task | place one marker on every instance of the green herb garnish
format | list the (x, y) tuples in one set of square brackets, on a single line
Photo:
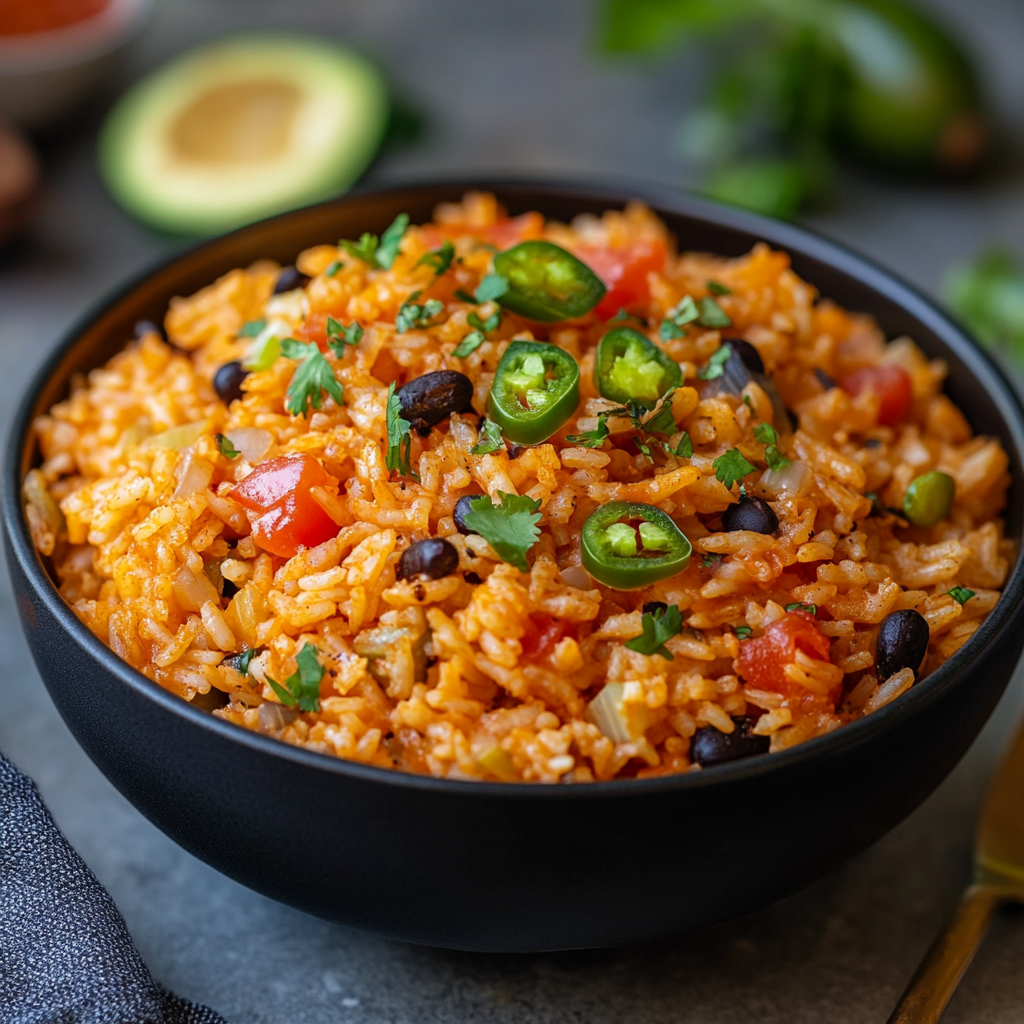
[(685, 446), (225, 447), (799, 606), (717, 288), (240, 662), (742, 632), (312, 377), (399, 437), (961, 594), (333, 268), (439, 259), (491, 440), (732, 466), (716, 364), (338, 335), (491, 286), (510, 528), (711, 559), (302, 687), (683, 313), (490, 324), (764, 433), (380, 252), (413, 314), (658, 627), (251, 328), (711, 314), (591, 438), (470, 343)]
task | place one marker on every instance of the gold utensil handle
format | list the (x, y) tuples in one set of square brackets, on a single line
[(940, 972)]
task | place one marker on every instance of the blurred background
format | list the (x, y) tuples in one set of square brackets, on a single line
[(895, 126)]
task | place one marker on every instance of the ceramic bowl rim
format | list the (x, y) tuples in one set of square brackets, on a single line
[(615, 192)]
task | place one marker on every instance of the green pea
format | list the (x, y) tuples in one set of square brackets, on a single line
[(929, 498)]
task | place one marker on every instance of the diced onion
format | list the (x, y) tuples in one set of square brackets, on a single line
[(619, 721), (196, 474), (192, 591), (499, 763), (252, 442), (792, 481), (576, 576), (180, 437)]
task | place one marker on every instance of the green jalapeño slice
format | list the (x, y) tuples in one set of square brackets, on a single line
[(631, 366), (546, 283), (536, 389), (627, 545)]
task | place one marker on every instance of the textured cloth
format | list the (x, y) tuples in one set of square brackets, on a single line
[(65, 953)]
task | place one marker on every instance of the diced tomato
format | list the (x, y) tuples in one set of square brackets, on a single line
[(891, 384), (541, 635), (315, 329), (624, 273), (282, 512), (513, 230), (763, 661)]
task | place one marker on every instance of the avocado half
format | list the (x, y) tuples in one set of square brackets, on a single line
[(243, 128)]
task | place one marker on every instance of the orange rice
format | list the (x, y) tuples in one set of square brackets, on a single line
[(490, 673)]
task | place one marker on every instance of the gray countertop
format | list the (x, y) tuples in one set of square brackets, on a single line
[(513, 86)]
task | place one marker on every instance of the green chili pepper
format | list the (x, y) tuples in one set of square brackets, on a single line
[(631, 366), (536, 389), (546, 283), (929, 498), (627, 545)]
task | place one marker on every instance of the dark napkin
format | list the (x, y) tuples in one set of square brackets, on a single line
[(65, 953)]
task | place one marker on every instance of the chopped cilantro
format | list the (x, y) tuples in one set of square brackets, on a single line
[(379, 252), (399, 437), (748, 403), (365, 249), (658, 627), (338, 335), (764, 433), (712, 314), (743, 632), (491, 286), (416, 314), (716, 364), (240, 662), (251, 328), (711, 559), (312, 377), (669, 331), (684, 312), (439, 259), (490, 324), (662, 421), (464, 296), (591, 438), (225, 447), (302, 687), (685, 446), (717, 288), (732, 466), (334, 268), (491, 440), (960, 594), (510, 528), (799, 606), (470, 343)]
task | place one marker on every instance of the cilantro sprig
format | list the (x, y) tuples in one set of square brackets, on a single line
[(241, 662), (399, 436), (716, 364), (302, 688), (490, 440), (765, 433), (731, 467), (961, 594), (491, 287), (379, 253), (313, 376), (438, 259), (591, 438), (683, 313), (470, 343), (412, 313), (225, 447), (339, 335), (658, 626), (801, 606), (510, 528), (711, 314)]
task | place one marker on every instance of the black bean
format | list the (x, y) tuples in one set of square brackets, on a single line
[(750, 514), (432, 558), (746, 353), (461, 510), (794, 420), (228, 589), (429, 399), (289, 279), (144, 327), (709, 746), (212, 700), (471, 577), (515, 450), (826, 380), (872, 442), (902, 642), (650, 607), (227, 381)]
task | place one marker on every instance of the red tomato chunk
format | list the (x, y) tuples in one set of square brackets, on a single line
[(763, 661), (281, 509), (624, 273), (542, 634), (890, 383)]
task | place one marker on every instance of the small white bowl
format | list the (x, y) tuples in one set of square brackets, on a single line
[(45, 74)]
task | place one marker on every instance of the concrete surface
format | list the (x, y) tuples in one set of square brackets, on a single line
[(512, 86)]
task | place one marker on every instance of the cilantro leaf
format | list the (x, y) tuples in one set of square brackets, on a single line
[(302, 687), (491, 440), (732, 466), (799, 606), (312, 377), (413, 314), (961, 594), (338, 335), (399, 438), (490, 324), (742, 632), (684, 312), (439, 259), (711, 559), (717, 288), (240, 662), (716, 364), (333, 268), (225, 447), (391, 241), (662, 421), (365, 249), (251, 328), (685, 446), (464, 296), (669, 331), (491, 286), (470, 343), (510, 528), (712, 314), (764, 433), (658, 627), (591, 438)]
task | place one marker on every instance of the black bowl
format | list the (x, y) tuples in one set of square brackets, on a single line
[(496, 866)]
